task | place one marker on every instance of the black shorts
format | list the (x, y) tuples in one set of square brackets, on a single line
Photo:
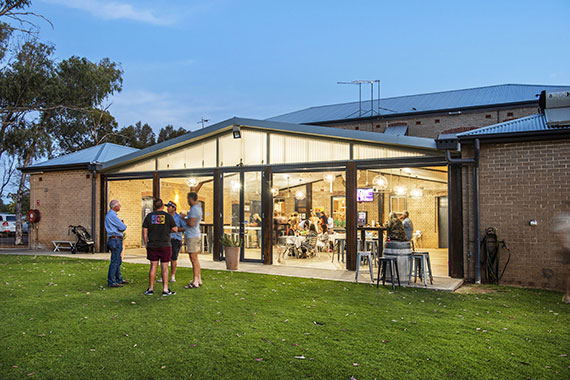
[(176, 245)]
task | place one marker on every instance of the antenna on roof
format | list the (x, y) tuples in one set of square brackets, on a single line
[(359, 83), (202, 121)]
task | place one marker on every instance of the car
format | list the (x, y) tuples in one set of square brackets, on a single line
[(7, 223)]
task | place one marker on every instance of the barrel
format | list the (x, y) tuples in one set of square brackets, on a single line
[(401, 251)]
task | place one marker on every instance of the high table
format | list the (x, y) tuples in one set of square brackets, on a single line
[(380, 231)]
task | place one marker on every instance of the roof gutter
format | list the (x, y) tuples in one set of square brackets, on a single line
[(476, 219)]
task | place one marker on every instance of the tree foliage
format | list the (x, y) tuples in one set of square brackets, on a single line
[(137, 136), (169, 132)]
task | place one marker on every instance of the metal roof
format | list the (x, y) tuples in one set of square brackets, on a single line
[(273, 126), (416, 104), (95, 154), (533, 123)]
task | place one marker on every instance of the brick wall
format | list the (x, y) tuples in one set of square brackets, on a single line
[(520, 182), (431, 126), (130, 193), (63, 198)]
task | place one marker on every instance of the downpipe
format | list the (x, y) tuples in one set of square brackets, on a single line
[(477, 238)]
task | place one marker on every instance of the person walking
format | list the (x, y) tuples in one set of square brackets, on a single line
[(115, 228), (192, 236), (157, 227), (175, 239)]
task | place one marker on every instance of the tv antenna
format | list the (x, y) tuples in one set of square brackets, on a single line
[(371, 83), (202, 121)]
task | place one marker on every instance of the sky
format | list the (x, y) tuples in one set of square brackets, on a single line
[(188, 60)]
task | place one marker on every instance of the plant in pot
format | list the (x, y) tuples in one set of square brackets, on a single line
[(231, 251)]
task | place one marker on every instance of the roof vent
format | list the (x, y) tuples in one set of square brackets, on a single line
[(556, 106)]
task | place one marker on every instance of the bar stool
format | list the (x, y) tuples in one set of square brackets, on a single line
[(372, 245), (420, 261), (382, 263), (203, 242), (359, 257)]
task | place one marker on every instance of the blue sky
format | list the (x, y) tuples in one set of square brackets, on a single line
[(184, 60)]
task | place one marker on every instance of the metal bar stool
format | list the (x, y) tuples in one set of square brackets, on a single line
[(382, 263), (420, 261), (359, 257)]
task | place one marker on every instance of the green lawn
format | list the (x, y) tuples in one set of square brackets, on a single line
[(59, 321)]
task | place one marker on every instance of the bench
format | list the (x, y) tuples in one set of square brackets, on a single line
[(62, 244)]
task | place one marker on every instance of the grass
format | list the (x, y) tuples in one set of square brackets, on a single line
[(59, 321)]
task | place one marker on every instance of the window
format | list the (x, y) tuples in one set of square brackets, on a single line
[(488, 116), (437, 121), (397, 203), (509, 114), (418, 122)]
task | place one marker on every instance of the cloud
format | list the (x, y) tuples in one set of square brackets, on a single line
[(115, 10), (160, 109)]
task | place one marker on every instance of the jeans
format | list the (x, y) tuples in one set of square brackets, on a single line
[(116, 247)]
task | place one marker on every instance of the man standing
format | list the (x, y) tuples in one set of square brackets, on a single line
[(192, 235), (175, 239), (408, 225), (115, 228), (157, 227)]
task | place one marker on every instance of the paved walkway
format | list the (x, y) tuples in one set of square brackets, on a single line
[(206, 262)]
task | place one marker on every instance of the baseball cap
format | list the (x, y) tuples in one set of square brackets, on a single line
[(171, 204)]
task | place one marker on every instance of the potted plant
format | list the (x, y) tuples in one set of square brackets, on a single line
[(231, 251)]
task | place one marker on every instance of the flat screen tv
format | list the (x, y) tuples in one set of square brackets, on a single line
[(365, 195)]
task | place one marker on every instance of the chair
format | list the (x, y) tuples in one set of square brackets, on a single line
[(339, 247), (420, 262), (382, 264), (310, 244), (361, 255)]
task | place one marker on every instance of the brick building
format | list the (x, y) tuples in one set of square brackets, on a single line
[(520, 174)]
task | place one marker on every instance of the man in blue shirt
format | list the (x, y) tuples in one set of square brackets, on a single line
[(115, 228), (175, 239)]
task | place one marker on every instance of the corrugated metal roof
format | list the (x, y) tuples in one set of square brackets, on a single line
[(317, 131), (533, 123), (417, 104), (98, 153), (396, 130)]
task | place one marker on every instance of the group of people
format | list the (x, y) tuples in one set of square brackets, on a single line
[(399, 228), (162, 236)]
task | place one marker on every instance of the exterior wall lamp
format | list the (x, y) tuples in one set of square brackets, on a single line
[(236, 132)]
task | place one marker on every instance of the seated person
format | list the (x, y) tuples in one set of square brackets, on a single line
[(310, 242), (305, 225), (395, 228)]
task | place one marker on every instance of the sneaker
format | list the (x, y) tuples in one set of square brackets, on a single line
[(159, 280), (148, 292), (116, 286), (172, 280), (168, 293)]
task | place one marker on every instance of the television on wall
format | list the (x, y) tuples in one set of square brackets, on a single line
[(365, 195)]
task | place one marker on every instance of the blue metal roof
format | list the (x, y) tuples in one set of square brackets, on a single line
[(419, 143), (533, 123), (98, 153), (417, 104)]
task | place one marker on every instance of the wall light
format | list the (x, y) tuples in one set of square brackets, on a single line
[(236, 132)]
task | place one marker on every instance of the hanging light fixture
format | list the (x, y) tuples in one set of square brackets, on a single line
[(274, 191), (416, 192), (400, 189), (300, 195), (379, 183), (236, 186), (329, 178), (192, 181)]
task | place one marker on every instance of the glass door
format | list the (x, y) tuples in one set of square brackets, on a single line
[(242, 212)]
